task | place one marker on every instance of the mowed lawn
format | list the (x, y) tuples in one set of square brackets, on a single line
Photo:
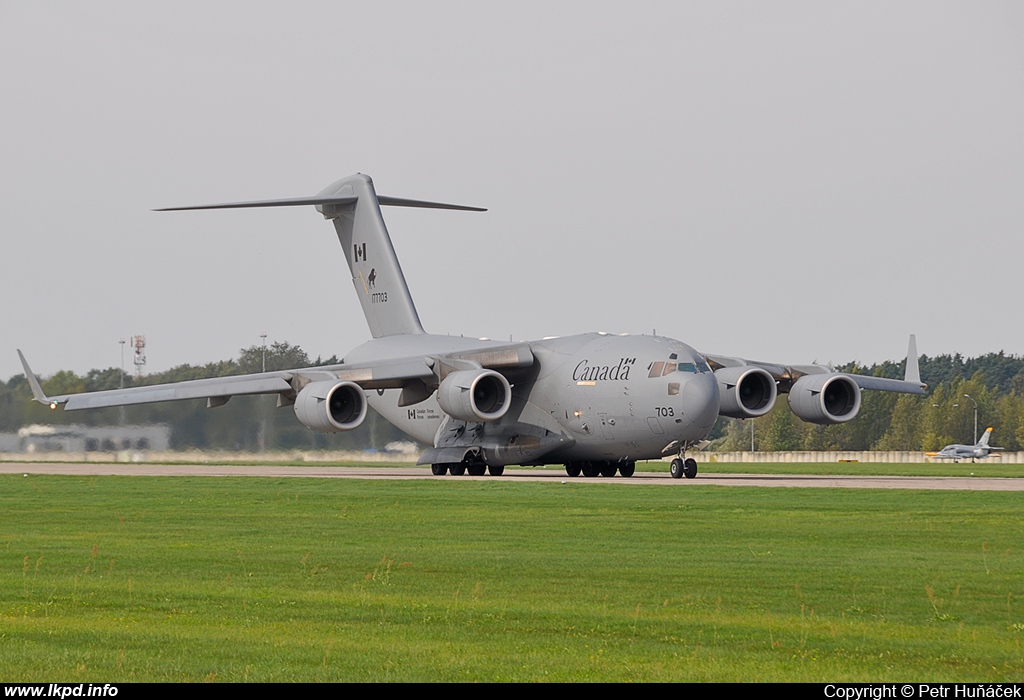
[(245, 579)]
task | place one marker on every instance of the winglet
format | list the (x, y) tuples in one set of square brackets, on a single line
[(33, 381), (913, 372)]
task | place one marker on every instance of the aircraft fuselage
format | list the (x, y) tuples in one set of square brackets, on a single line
[(611, 397)]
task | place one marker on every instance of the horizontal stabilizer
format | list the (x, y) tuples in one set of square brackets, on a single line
[(292, 202), (317, 201)]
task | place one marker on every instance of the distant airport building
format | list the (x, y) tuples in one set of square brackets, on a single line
[(86, 438)]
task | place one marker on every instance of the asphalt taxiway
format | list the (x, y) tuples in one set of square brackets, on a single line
[(550, 475)]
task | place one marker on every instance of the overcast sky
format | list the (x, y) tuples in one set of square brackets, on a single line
[(780, 181)]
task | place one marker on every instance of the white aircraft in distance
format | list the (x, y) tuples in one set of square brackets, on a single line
[(971, 452), (593, 402)]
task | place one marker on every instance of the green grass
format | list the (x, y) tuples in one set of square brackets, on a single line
[(231, 579), (988, 468)]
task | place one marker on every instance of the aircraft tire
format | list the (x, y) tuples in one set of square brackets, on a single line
[(676, 468), (690, 468), (627, 469), (438, 469), (589, 469), (477, 469), (496, 469), (607, 469), (572, 468), (457, 469)]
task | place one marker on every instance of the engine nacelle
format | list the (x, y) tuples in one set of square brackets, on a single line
[(475, 395), (331, 407), (825, 398), (746, 392)]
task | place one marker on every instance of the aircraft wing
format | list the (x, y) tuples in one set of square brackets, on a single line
[(786, 375), (417, 376)]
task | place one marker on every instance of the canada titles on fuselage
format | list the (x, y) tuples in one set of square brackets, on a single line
[(586, 372)]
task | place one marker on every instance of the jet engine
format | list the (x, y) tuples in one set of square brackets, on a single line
[(825, 398), (475, 395), (331, 407), (746, 392)]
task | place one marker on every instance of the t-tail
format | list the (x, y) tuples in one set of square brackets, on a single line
[(354, 206)]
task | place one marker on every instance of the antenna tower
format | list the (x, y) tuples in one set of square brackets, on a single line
[(139, 343)]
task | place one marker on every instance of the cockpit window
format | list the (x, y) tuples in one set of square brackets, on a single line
[(663, 369)]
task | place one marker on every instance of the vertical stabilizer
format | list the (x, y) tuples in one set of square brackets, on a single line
[(354, 207), (983, 442), (376, 274)]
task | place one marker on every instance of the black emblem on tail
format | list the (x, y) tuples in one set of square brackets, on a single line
[(371, 279)]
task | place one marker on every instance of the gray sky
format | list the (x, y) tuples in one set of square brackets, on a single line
[(781, 181)]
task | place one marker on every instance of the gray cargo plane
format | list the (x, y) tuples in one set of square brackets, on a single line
[(593, 402)]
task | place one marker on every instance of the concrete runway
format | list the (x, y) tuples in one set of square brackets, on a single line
[(945, 483)]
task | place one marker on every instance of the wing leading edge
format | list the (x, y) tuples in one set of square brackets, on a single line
[(416, 376), (786, 375)]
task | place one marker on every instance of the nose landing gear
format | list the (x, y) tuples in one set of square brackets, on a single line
[(683, 467)]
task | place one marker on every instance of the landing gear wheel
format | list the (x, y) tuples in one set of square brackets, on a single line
[(676, 468), (438, 469), (496, 469), (690, 468), (589, 469), (457, 469), (627, 468), (572, 468), (608, 469), (477, 469)]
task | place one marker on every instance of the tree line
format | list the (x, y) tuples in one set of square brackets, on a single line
[(250, 423), (886, 421)]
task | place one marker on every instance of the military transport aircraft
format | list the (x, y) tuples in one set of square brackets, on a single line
[(971, 452), (594, 402)]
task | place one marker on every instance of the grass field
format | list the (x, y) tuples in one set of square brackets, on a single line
[(148, 578), (987, 468)]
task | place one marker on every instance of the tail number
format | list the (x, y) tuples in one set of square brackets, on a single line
[(664, 411), (379, 298)]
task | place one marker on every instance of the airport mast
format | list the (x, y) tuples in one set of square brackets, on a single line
[(139, 343)]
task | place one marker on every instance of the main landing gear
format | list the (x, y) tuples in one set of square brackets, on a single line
[(474, 468), (605, 469), (683, 467)]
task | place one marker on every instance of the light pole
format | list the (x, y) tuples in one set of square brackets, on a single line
[(122, 362), (120, 412), (967, 396), (261, 435)]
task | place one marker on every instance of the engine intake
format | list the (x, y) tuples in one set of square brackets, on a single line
[(746, 392), (825, 399), (331, 407), (475, 395)]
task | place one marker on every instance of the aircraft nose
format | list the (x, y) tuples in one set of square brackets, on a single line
[(701, 401)]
